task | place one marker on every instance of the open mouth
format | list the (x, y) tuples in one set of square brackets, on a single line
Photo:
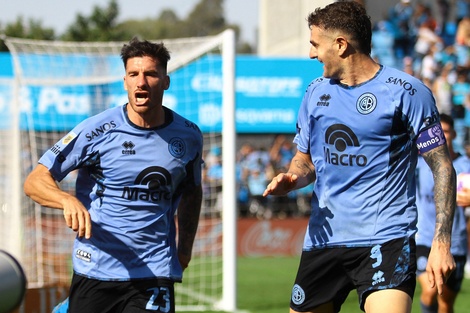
[(141, 97)]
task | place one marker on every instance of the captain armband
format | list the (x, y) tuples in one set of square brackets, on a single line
[(430, 138)]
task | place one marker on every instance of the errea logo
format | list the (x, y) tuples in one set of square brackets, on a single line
[(378, 278), (128, 147), (341, 137), (324, 100)]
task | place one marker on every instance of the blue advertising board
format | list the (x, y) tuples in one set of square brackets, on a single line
[(268, 92)]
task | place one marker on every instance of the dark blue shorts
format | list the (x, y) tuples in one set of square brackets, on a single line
[(328, 275), (137, 296)]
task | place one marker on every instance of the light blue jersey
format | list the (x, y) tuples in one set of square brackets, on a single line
[(427, 208), (131, 180), (363, 141)]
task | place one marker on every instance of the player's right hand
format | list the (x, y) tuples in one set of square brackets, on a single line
[(281, 184), (77, 217)]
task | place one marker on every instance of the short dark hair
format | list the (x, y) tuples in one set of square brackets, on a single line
[(347, 16), (445, 118), (137, 48)]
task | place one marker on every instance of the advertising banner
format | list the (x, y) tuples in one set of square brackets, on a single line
[(268, 93), (283, 237)]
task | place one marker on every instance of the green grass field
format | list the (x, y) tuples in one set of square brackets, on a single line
[(264, 286)]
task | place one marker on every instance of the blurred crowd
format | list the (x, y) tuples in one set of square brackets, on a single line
[(435, 47), (431, 45), (255, 167)]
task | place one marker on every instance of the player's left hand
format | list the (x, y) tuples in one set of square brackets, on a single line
[(184, 260), (440, 265)]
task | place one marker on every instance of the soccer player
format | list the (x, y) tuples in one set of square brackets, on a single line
[(137, 164), (430, 302), (359, 129)]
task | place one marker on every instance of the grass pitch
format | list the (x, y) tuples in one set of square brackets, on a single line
[(264, 286)]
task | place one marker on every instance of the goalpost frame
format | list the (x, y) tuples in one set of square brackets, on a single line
[(229, 220)]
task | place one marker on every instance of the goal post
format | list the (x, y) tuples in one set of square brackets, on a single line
[(229, 220), (58, 84)]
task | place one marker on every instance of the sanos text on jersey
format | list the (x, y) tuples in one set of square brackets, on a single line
[(191, 125), (406, 85), (100, 130)]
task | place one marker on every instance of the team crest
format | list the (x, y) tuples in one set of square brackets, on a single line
[(177, 147), (298, 295), (366, 103)]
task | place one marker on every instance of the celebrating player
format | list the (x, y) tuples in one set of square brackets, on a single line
[(359, 130), (137, 165)]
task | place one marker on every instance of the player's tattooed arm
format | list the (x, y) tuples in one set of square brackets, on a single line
[(440, 260), (301, 173), (188, 219), (444, 191), (302, 166)]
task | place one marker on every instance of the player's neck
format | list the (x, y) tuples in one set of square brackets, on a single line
[(359, 70), (148, 119)]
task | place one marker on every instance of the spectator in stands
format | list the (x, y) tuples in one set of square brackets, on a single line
[(429, 66), (213, 181), (460, 89), (463, 200), (426, 41), (462, 42), (259, 156), (442, 90), (447, 57), (462, 10), (422, 14), (281, 152), (466, 134), (256, 180), (401, 16), (382, 43), (242, 173), (444, 10), (408, 66)]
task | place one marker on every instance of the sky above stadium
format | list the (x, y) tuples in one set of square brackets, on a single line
[(59, 14)]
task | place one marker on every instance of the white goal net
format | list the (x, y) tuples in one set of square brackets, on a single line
[(58, 84)]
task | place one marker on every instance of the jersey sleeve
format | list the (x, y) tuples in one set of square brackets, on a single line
[(423, 117), (67, 154), (302, 136)]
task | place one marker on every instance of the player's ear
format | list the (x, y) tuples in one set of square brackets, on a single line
[(342, 44), (167, 82), (124, 81)]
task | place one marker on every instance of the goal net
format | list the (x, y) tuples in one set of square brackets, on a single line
[(58, 84)]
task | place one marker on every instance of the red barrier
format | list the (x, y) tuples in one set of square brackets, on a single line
[(270, 237)]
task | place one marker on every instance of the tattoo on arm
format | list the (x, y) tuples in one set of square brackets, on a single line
[(302, 166), (444, 191)]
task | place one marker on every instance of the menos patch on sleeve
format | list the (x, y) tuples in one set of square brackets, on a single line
[(430, 138)]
